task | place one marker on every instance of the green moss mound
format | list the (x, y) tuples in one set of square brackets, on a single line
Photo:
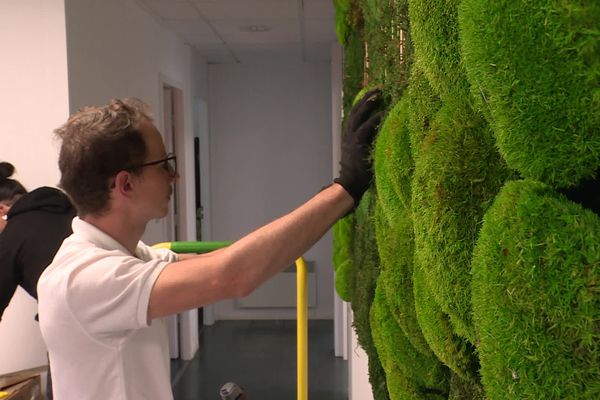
[(457, 174), (536, 298), (434, 29), (454, 352), (365, 274), (423, 377), (393, 222), (395, 246), (457, 168), (393, 163), (342, 256), (537, 65), (423, 104), (342, 8)]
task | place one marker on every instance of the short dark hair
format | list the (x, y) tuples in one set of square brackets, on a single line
[(97, 143), (10, 189)]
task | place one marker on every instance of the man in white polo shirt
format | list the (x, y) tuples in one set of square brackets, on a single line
[(102, 299)]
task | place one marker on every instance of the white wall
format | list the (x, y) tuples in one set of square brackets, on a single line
[(270, 150), (33, 83), (359, 387)]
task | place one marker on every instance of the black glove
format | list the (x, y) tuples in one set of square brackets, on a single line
[(363, 123)]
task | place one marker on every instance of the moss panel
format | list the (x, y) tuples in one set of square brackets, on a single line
[(434, 30), (393, 221), (354, 61), (366, 272), (343, 232), (393, 163), (454, 352), (424, 376), (457, 173), (396, 249), (537, 64), (423, 104), (387, 37), (461, 389), (536, 296)]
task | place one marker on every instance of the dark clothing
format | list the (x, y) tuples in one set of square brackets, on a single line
[(37, 225)]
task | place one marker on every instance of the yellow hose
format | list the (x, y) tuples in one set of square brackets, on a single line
[(302, 326)]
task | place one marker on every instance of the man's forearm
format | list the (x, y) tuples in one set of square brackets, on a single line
[(238, 269), (264, 252)]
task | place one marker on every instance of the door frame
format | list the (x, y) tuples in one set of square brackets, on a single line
[(184, 326)]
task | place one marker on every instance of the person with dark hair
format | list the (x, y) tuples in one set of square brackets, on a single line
[(10, 191), (36, 224), (103, 298)]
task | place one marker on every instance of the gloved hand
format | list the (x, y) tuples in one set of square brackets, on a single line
[(363, 123)]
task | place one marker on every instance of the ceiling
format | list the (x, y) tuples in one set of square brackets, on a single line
[(230, 31)]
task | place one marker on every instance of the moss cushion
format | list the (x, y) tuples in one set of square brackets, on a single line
[(365, 274), (423, 377), (536, 296), (453, 351), (537, 64)]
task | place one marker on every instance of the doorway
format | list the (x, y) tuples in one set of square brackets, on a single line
[(172, 117), (172, 128)]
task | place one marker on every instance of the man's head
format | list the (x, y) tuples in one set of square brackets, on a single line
[(97, 144)]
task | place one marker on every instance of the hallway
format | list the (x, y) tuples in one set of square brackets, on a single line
[(260, 356)]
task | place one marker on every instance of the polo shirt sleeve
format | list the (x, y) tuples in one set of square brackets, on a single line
[(146, 252), (111, 292)]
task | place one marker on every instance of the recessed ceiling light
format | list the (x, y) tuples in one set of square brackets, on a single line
[(255, 28)]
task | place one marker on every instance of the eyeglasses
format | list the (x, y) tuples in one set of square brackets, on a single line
[(169, 164)]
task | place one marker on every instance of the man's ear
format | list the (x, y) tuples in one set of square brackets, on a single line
[(124, 183)]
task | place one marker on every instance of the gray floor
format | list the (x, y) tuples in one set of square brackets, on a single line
[(260, 356)]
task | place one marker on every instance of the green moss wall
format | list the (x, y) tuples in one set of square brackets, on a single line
[(471, 272)]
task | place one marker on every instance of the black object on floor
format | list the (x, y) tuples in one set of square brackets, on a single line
[(232, 391), (260, 356)]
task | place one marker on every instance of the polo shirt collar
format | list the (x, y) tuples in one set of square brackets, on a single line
[(94, 235)]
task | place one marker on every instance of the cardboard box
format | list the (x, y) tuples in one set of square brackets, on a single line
[(22, 385), (31, 389)]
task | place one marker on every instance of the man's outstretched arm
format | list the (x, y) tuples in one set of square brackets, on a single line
[(237, 270)]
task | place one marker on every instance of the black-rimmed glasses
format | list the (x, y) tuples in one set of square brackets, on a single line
[(169, 164)]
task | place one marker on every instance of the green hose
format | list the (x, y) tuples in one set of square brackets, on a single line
[(191, 247)]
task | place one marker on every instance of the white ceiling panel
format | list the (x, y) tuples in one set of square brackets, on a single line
[(268, 52), (248, 9), (215, 27), (171, 9), (193, 31), (281, 31)]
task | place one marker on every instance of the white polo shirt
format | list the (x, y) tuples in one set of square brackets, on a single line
[(93, 305)]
